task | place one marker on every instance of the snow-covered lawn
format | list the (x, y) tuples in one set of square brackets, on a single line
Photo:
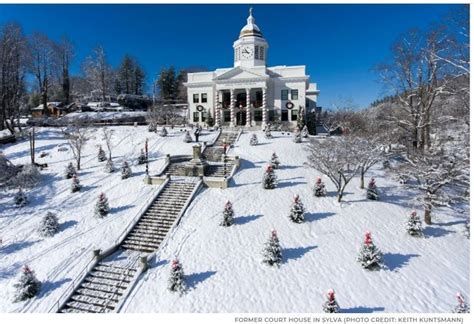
[(223, 265)]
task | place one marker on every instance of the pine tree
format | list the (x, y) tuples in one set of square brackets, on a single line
[(297, 138), (70, 171), (331, 305), (101, 156), (305, 132), (462, 306), (253, 139), (228, 215), (75, 185), (28, 286), (49, 225), (142, 157), (268, 133), (20, 198), (414, 225), (163, 132), (109, 166), (102, 206), (126, 170), (274, 161), (297, 210), (152, 127), (272, 251), (370, 256), (176, 281), (372, 190), (319, 188), (187, 137), (270, 179)]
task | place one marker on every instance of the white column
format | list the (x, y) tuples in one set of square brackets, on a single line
[(248, 113), (264, 108), (232, 108), (218, 109)]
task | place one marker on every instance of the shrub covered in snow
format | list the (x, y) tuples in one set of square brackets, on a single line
[(176, 281), (142, 157), (414, 225), (109, 166), (7, 169), (331, 305), (272, 251), (126, 170), (27, 286), (274, 161), (372, 192), (102, 206), (467, 228), (268, 133), (101, 155), (370, 256), (319, 189), (253, 139), (227, 215), (20, 198), (49, 225), (270, 179), (70, 171), (163, 132), (297, 138), (76, 184), (297, 210), (304, 132), (187, 137), (462, 306), (152, 127), (29, 177)]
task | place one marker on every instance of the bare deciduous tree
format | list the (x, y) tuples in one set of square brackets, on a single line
[(77, 134), (107, 137), (99, 73)]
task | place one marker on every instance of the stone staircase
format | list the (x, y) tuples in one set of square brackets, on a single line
[(214, 153), (218, 170), (152, 227)]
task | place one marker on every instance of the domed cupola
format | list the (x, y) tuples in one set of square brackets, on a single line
[(250, 50)]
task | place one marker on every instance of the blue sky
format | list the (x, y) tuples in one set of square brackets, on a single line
[(339, 44)]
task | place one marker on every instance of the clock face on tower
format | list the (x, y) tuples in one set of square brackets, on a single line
[(247, 52)]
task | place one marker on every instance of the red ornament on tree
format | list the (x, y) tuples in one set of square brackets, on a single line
[(318, 180), (368, 238)]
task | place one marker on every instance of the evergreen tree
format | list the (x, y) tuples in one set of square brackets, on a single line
[(28, 286), (414, 225), (109, 166), (49, 225), (176, 281), (75, 185), (297, 210), (268, 133), (142, 157), (20, 198), (305, 132), (370, 256), (462, 306), (126, 170), (270, 179), (70, 171), (297, 138), (101, 156), (102, 206), (228, 215), (163, 132), (253, 139), (331, 305), (168, 83), (319, 188), (274, 161), (272, 251), (187, 137), (152, 127), (372, 190)]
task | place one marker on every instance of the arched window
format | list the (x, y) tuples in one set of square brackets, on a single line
[(262, 56)]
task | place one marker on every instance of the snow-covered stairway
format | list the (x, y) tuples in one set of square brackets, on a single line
[(214, 153), (152, 227)]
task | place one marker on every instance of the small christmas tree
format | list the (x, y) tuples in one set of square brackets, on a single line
[(228, 215), (152, 127), (370, 256), (176, 281), (270, 179), (268, 133), (187, 137), (297, 138), (20, 198), (319, 189), (49, 225), (274, 161), (126, 170), (331, 305), (272, 250), (304, 132), (109, 166), (414, 225), (462, 306), (101, 155), (372, 190), (102, 206), (253, 139), (142, 157), (163, 132), (27, 286), (75, 185), (70, 171), (297, 210)]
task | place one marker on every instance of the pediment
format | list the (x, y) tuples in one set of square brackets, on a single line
[(239, 73)]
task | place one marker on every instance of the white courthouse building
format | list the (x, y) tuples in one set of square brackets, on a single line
[(251, 93)]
